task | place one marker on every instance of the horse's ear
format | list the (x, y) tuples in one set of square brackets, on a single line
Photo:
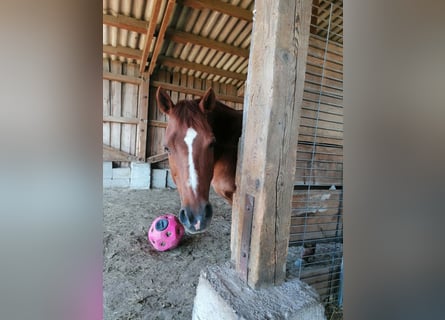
[(208, 102), (164, 101)]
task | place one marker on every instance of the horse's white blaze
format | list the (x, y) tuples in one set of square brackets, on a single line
[(193, 176)]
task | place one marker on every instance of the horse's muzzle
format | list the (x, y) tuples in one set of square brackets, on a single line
[(196, 222)]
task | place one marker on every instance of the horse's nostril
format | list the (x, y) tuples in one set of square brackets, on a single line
[(186, 216), (182, 216), (208, 211)]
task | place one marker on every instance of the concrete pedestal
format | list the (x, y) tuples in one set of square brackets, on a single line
[(222, 295)]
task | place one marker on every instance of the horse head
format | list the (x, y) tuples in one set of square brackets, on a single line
[(190, 142)]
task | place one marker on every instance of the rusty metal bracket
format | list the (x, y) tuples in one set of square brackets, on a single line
[(246, 236)]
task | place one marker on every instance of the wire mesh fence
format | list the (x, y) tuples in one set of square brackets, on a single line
[(316, 235)]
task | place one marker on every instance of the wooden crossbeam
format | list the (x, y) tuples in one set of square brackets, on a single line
[(157, 123), (121, 78), (217, 5), (185, 37), (120, 119), (157, 158), (112, 154), (123, 52), (125, 22), (172, 62)]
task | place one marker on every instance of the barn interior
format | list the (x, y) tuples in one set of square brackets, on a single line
[(188, 46)]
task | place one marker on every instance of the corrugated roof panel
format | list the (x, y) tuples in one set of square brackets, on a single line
[(237, 30), (126, 7), (138, 9), (200, 21), (204, 23), (114, 6)]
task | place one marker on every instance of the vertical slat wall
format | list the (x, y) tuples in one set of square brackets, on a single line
[(317, 217), (184, 87), (120, 107)]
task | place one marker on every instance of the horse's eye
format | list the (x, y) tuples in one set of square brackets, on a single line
[(166, 149), (212, 144)]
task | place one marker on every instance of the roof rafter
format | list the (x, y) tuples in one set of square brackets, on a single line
[(122, 51), (149, 34), (160, 38), (124, 22), (172, 62), (185, 37)]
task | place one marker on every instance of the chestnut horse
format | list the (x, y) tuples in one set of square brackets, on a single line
[(202, 144)]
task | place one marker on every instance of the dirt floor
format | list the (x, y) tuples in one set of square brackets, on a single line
[(141, 283), (138, 281)]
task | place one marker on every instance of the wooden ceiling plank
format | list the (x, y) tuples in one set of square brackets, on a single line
[(122, 51), (149, 34), (125, 22), (217, 5), (184, 38), (160, 38), (172, 62)]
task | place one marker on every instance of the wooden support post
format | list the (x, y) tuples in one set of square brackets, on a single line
[(268, 156), (143, 117)]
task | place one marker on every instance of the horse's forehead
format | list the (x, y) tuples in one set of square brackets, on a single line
[(179, 128)]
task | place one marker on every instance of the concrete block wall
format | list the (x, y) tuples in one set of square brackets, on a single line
[(138, 176)]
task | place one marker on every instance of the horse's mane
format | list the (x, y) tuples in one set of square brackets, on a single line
[(188, 112)]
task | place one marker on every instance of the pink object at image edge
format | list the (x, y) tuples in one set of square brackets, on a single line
[(165, 232)]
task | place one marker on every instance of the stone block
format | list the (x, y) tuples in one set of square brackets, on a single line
[(120, 183), (140, 170), (221, 292), (140, 184), (158, 178), (170, 182), (121, 173), (107, 170)]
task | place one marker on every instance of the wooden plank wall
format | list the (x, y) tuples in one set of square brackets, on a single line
[(180, 86), (120, 109), (317, 211)]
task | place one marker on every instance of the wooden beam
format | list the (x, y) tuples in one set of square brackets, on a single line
[(172, 62), (123, 52), (149, 34), (220, 6), (185, 37), (160, 38), (141, 144), (120, 119), (196, 92), (112, 154), (157, 123), (158, 158), (125, 22), (267, 158), (121, 78)]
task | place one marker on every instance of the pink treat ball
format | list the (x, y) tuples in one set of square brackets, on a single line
[(165, 232)]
